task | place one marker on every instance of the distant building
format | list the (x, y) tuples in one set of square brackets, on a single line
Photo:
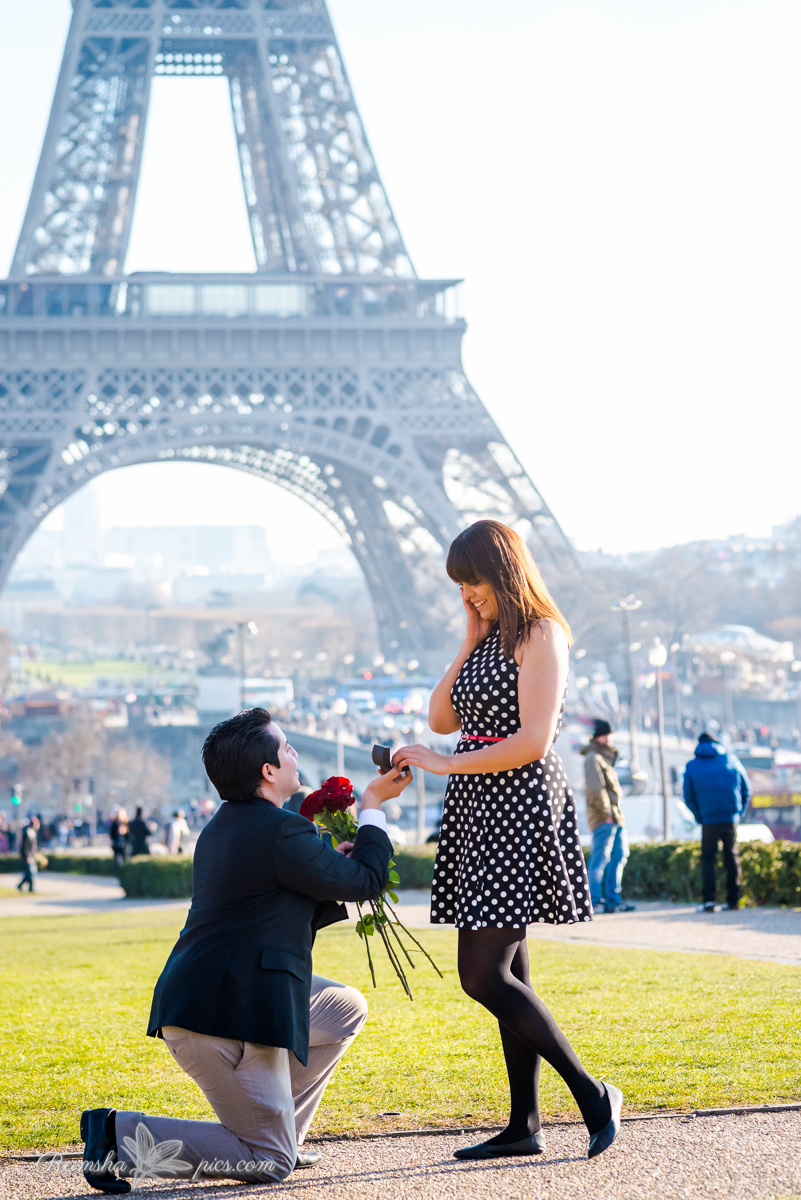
[(189, 549), (81, 536)]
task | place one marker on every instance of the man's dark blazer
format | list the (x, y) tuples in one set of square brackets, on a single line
[(264, 883)]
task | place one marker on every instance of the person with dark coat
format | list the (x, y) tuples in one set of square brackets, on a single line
[(28, 849), (717, 791), (237, 1003), (138, 833)]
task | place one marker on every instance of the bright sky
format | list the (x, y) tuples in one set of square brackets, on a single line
[(620, 185)]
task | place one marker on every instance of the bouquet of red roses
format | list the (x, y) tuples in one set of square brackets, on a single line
[(330, 807)]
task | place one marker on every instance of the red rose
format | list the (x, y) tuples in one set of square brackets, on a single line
[(337, 793), (313, 804), (337, 784)]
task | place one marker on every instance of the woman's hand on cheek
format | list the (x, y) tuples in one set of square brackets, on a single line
[(472, 631), (477, 627)]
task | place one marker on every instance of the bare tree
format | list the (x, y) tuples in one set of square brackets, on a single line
[(125, 773)]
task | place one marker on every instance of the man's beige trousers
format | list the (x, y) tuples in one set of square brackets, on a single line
[(263, 1097)]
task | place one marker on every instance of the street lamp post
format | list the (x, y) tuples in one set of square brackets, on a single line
[(674, 649), (339, 708), (797, 667), (726, 658), (151, 665), (626, 606), (244, 629), (657, 657)]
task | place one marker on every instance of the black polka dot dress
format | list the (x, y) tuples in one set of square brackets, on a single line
[(509, 852)]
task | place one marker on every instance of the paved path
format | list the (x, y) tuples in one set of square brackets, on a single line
[(61, 895), (755, 1157), (769, 934)]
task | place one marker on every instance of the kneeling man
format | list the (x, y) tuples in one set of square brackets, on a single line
[(237, 1003)]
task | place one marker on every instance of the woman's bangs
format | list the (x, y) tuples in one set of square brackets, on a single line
[(460, 566)]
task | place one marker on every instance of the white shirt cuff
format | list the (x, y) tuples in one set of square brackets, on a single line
[(373, 816)]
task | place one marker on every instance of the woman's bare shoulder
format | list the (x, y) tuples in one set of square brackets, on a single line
[(546, 640), (550, 627)]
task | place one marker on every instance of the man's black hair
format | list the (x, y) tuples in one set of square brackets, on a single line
[(235, 752)]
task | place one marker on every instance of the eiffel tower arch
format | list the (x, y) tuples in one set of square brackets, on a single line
[(333, 371)]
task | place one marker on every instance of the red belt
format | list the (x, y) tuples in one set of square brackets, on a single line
[(475, 737)]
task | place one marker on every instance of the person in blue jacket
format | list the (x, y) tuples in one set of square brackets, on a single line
[(716, 791)]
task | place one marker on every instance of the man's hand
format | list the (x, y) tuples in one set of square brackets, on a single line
[(345, 848), (385, 787)]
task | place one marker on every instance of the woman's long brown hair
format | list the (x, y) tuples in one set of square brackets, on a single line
[(490, 552)]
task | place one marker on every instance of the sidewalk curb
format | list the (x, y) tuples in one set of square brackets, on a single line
[(689, 1114), (743, 1110)]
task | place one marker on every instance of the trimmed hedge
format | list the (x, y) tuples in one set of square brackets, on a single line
[(82, 864), (166, 877), (655, 871), (415, 865), (73, 864), (170, 877), (672, 871), (11, 864)]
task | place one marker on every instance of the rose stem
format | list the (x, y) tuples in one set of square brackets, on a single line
[(392, 957), (414, 939), (409, 959), (365, 935)]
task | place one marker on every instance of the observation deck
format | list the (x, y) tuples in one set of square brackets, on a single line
[(160, 317)]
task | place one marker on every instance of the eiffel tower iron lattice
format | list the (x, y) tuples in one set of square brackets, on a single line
[(333, 370)]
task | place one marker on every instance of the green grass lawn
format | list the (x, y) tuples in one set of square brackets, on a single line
[(670, 1029)]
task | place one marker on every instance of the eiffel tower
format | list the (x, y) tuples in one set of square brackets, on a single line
[(333, 370)]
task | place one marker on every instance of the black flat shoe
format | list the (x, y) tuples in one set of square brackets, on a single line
[(307, 1158), (100, 1153), (535, 1144), (603, 1139)]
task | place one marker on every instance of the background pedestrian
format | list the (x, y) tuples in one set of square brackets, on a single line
[(610, 846), (138, 834), (28, 848), (177, 833), (717, 791), (118, 835)]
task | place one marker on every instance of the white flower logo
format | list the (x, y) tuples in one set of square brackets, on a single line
[(152, 1159)]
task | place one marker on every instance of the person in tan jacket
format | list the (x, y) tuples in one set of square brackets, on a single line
[(610, 847)]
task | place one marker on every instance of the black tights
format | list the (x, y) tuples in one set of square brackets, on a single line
[(493, 969)]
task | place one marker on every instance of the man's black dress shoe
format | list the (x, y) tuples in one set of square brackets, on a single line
[(100, 1152), (307, 1158), (603, 1139), (535, 1144)]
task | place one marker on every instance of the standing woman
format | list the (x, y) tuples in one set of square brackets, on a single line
[(509, 853), (118, 836)]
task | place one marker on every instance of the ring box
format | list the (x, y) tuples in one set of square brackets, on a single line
[(382, 757)]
